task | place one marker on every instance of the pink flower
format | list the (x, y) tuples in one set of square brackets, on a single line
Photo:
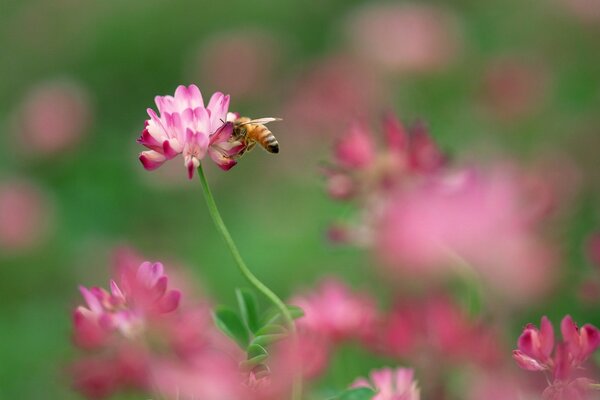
[(26, 215), (454, 219), (391, 384), (362, 170), (577, 389), (185, 126), (537, 350), (406, 37), (213, 377), (100, 377), (53, 118), (435, 327), (335, 312), (125, 308)]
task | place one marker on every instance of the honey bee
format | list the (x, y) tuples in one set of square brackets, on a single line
[(252, 131)]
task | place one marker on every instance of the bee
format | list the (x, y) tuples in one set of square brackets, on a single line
[(252, 131)]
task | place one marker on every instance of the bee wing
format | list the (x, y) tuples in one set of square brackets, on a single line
[(262, 121)]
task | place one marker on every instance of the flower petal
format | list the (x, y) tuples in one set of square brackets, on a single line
[(527, 362), (151, 159)]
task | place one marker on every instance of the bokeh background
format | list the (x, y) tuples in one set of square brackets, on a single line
[(500, 78)]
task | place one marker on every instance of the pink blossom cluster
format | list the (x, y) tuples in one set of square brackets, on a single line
[(425, 218), (360, 170), (184, 125), (333, 313), (435, 327), (138, 336), (537, 351)]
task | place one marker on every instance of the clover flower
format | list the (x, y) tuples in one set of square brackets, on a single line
[(126, 307), (335, 312), (361, 170), (186, 126), (537, 352)]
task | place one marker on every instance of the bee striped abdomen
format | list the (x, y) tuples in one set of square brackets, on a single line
[(267, 139)]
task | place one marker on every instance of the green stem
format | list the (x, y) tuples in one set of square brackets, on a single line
[(254, 281)]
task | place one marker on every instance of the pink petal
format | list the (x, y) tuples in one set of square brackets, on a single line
[(527, 362), (196, 99), (396, 135), (191, 167), (528, 343), (159, 289), (424, 155), (170, 301), (91, 300), (590, 340), (383, 380), (151, 159), (202, 120), (355, 149), (570, 335), (562, 362), (146, 139), (116, 291), (218, 106), (182, 98), (223, 134), (168, 151), (223, 161), (547, 337)]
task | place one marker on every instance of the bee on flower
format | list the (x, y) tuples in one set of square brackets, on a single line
[(185, 125)]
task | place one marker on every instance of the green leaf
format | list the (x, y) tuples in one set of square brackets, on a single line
[(253, 362), (271, 330), (255, 350), (231, 324), (362, 393), (265, 340), (249, 308)]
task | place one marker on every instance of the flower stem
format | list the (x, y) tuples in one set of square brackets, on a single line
[(254, 281)]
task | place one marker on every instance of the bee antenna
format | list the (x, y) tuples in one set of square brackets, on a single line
[(222, 120)]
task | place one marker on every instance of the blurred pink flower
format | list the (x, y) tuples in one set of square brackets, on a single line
[(361, 170), (328, 93), (100, 377), (435, 328), (167, 345), (537, 350), (577, 389), (25, 215), (455, 219), (211, 377), (391, 384), (241, 62), (126, 308), (496, 384), (185, 126), (513, 88), (405, 37), (335, 312), (53, 117)]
